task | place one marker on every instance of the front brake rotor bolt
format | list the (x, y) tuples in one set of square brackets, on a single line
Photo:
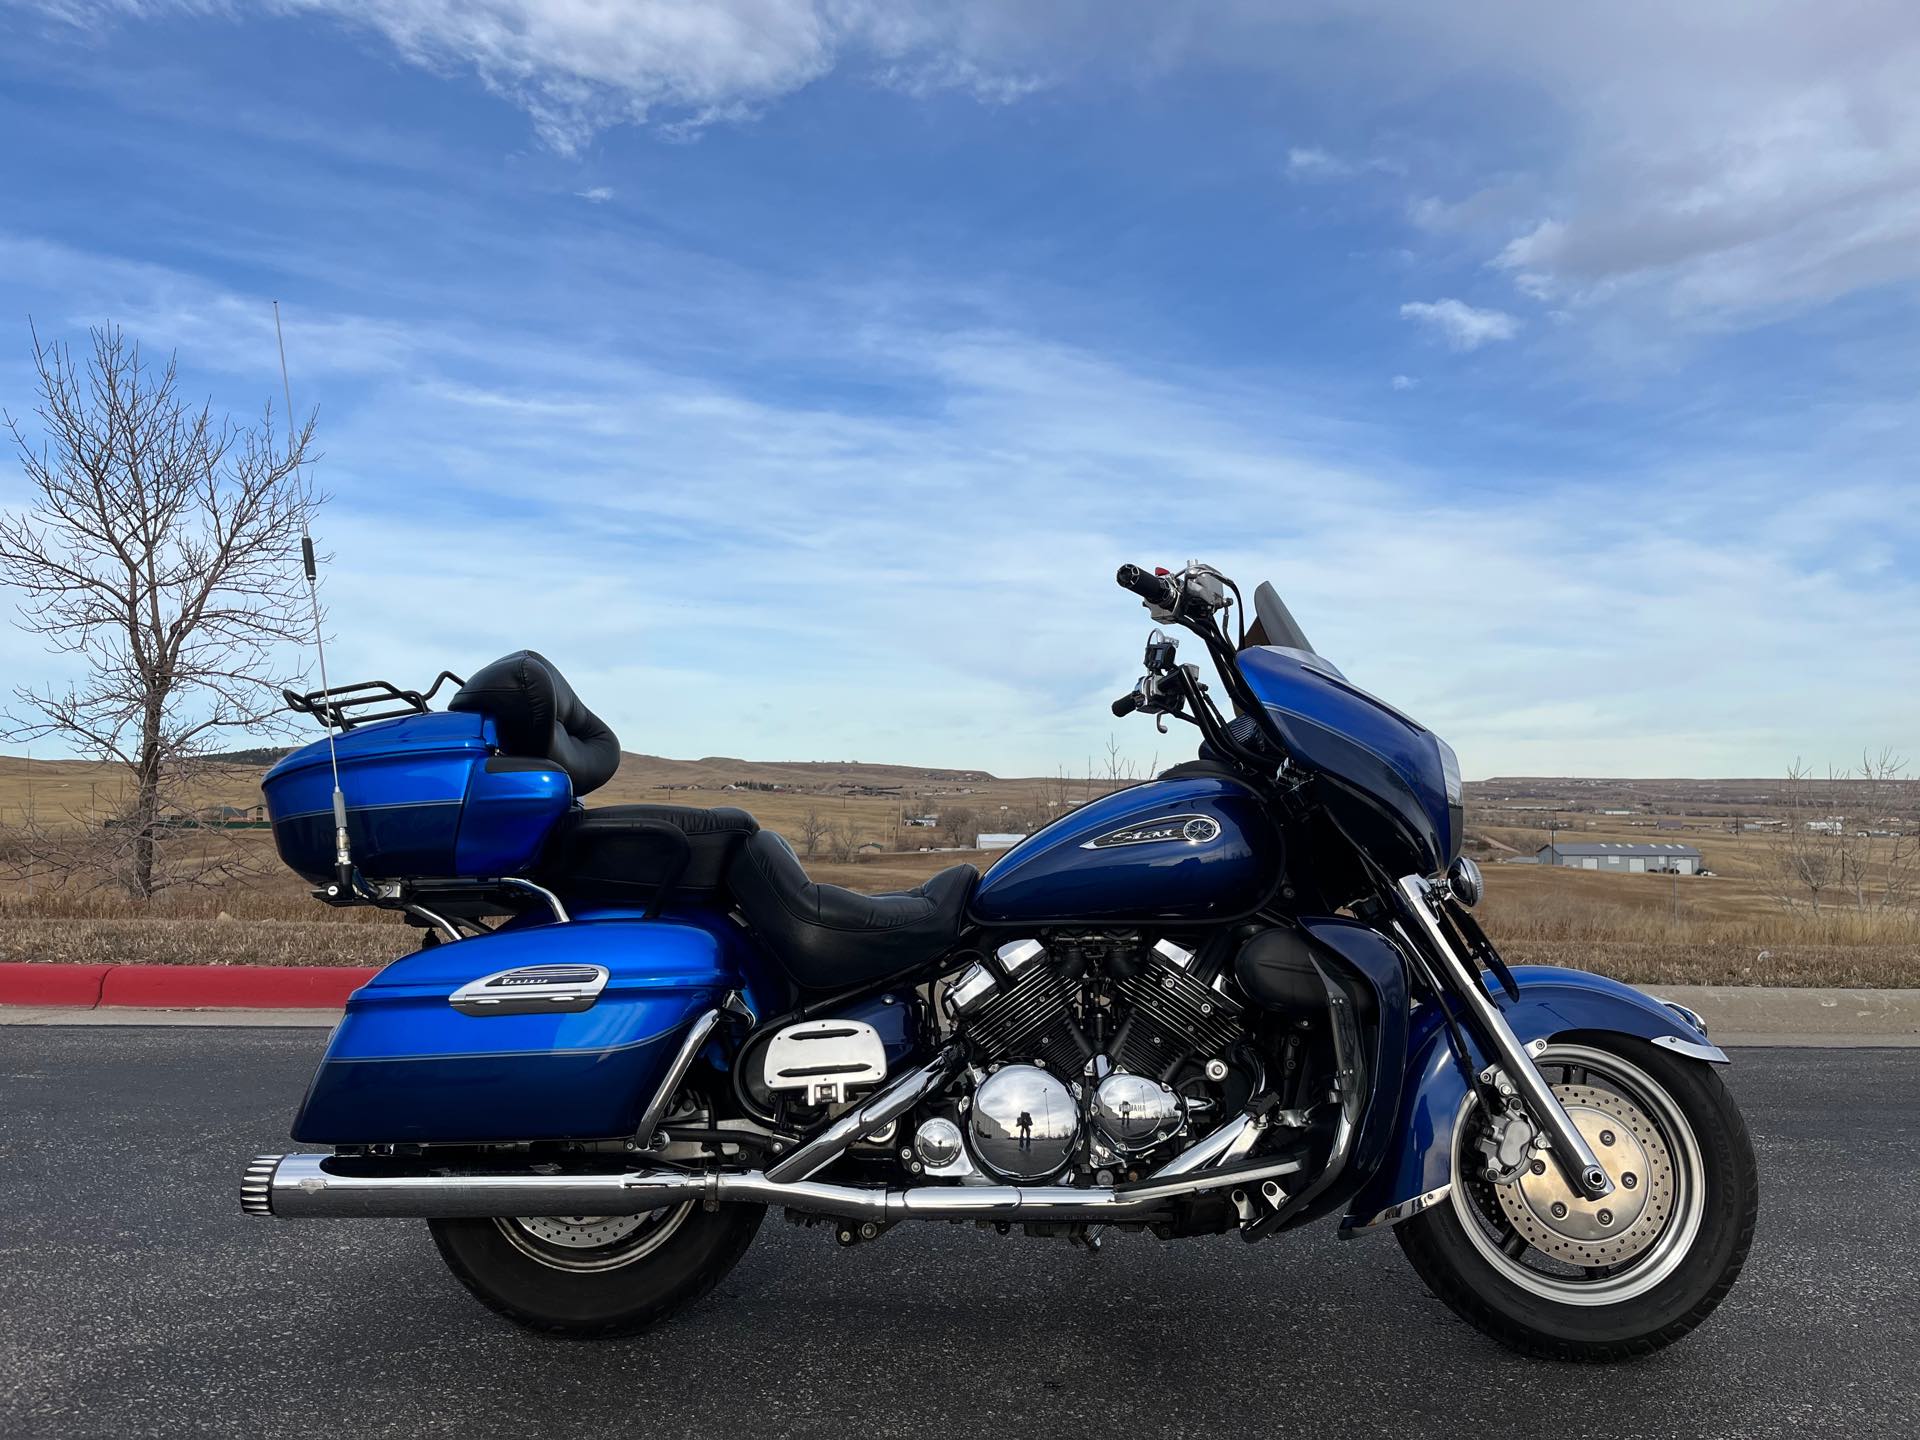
[(1629, 1179), (1606, 1137), (1605, 1217), (1559, 1211), (1539, 1167)]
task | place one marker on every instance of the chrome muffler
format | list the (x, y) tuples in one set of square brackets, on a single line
[(322, 1187)]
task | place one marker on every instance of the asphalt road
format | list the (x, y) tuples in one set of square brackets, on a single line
[(135, 1299)]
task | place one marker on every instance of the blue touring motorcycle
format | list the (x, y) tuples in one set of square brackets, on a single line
[(1243, 996)]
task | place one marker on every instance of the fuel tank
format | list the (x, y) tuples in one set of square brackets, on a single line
[(1192, 848)]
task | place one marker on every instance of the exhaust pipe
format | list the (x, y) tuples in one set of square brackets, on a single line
[(316, 1186)]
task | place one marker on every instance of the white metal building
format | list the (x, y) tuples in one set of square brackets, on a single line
[(1631, 859)]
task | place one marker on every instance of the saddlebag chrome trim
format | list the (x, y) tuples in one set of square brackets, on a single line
[(532, 990)]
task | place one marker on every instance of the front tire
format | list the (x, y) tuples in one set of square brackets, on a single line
[(1554, 1276), (595, 1277)]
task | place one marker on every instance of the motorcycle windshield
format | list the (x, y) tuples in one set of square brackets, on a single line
[(1336, 728)]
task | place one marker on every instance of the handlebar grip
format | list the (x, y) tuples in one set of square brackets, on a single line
[(1126, 705), (1155, 589)]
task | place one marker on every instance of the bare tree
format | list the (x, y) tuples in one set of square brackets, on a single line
[(1880, 856), (1851, 837), (812, 831), (959, 824), (1803, 858), (841, 842), (160, 548)]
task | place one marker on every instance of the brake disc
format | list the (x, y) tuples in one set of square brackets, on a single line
[(1558, 1222), (581, 1232)]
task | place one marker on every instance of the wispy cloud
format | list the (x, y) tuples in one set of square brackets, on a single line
[(1309, 162), (610, 465), (597, 195), (1460, 325), (781, 366), (956, 73), (578, 68)]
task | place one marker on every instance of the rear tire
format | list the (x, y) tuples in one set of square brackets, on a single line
[(1478, 1254), (572, 1286)]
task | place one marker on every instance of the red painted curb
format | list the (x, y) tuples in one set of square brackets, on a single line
[(184, 987), (22, 984)]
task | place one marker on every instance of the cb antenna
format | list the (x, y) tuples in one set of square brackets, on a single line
[(342, 853)]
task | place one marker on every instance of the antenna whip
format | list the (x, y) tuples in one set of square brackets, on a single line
[(342, 853)]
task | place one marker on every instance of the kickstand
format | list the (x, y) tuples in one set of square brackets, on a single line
[(1088, 1238)]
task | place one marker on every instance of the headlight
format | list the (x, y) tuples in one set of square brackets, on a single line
[(1464, 882)]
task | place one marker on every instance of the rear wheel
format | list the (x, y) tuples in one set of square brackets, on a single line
[(597, 1276), (1548, 1272), (594, 1276)]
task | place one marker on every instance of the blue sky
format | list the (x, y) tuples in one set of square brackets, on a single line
[(796, 374)]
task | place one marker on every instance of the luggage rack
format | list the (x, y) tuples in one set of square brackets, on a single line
[(344, 706), (443, 906)]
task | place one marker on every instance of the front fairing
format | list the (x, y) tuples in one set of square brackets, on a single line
[(1336, 729)]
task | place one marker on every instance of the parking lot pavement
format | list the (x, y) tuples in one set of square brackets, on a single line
[(135, 1299)]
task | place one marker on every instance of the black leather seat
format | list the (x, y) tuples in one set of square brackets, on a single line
[(625, 854), (830, 938)]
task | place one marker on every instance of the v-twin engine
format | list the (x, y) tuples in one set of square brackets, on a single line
[(1095, 1045)]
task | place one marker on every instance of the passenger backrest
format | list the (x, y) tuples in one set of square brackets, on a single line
[(536, 714)]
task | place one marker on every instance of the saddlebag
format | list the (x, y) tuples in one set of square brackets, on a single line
[(553, 1032)]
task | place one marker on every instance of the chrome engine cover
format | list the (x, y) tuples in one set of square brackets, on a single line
[(1133, 1113), (1024, 1123)]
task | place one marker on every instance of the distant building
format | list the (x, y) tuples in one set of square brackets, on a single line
[(997, 842), (1627, 859)]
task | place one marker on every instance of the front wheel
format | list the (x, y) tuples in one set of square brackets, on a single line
[(1550, 1273)]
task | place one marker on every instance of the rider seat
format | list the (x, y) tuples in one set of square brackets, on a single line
[(829, 938)]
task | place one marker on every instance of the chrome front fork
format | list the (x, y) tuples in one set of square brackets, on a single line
[(1569, 1147)]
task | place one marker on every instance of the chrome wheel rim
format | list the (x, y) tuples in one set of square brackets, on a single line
[(587, 1243), (1538, 1234)]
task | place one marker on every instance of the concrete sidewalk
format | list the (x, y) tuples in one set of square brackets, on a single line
[(1784, 1015), (1735, 1015)]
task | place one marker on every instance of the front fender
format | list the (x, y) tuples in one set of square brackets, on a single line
[(1418, 1166)]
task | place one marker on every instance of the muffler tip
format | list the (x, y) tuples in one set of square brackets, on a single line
[(256, 1186)]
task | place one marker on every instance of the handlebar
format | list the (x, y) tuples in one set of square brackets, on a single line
[(1126, 705), (1152, 588)]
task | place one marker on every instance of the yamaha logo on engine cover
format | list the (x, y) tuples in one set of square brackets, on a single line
[(1187, 829)]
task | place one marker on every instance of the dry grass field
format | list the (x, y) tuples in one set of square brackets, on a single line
[(1724, 928)]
